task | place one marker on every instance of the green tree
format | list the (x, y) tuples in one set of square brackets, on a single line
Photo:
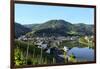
[(19, 57)]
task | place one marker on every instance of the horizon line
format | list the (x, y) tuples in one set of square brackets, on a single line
[(54, 19)]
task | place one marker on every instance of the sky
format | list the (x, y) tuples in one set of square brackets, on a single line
[(37, 14)]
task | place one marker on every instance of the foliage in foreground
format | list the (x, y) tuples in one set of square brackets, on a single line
[(34, 55)]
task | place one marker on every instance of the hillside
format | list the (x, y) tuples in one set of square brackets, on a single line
[(20, 30), (60, 28)]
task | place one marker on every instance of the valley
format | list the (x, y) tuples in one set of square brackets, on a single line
[(53, 42)]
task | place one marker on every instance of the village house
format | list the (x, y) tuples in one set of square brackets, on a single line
[(23, 38)]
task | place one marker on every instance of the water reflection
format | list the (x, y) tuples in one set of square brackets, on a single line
[(82, 54)]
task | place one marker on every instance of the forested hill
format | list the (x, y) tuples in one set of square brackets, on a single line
[(20, 30), (56, 28)]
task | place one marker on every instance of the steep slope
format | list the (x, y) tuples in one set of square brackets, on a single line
[(53, 28), (60, 28), (20, 30), (85, 29)]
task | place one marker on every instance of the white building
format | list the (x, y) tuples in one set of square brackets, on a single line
[(43, 46), (22, 38), (65, 48), (48, 51)]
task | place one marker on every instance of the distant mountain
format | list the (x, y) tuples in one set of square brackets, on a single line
[(61, 28), (30, 25), (56, 28), (53, 28), (20, 30), (85, 29)]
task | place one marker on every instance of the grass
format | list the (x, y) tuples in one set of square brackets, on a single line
[(81, 42), (26, 53), (72, 58), (35, 55)]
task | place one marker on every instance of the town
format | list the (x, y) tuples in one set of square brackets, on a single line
[(51, 45)]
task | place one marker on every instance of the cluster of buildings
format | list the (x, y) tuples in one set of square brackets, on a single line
[(44, 42), (50, 44)]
